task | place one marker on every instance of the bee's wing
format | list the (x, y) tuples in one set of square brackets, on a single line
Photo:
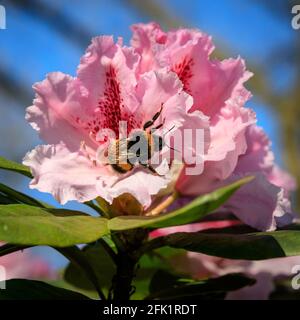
[(123, 154), (127, 156)]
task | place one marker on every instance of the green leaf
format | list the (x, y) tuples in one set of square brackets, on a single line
[(6, 200), (80, 261), (27, 225), (163, 280), (19, 196), (20, 289), (94, 207), (102, 264), (234, 229), (10, 248), (60, 283), (207, 289), (194, 211), (250, 246), (14, 166)]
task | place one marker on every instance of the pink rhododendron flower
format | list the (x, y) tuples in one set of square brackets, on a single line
[(237, 146), (72, 114), (171, 75), (24, 264)]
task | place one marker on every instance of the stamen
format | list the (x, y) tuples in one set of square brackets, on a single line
[(164, 205)]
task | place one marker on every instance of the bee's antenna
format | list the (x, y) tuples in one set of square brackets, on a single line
[(169, 130), (167, 144), (172, 148)]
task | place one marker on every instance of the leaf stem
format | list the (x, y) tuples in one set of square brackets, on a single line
[(122, 287), (128, 244)]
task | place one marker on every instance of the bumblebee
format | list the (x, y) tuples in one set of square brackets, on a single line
[(124, 154)]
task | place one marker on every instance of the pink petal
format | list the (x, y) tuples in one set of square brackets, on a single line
[(73, 110), (227, 143), (141, 184), (210, 82), (102, 56), (187, 52), (154, 89), (282, 179), (107, 70), (260, 204), (66, 175), (57, 97), (259, 156), (162, 88), (228, 135), (144, 39)]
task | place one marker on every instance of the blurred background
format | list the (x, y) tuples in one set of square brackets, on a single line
[(42, 36)]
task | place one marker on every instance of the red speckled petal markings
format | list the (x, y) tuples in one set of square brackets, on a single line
[(184, 70), (111, 106)]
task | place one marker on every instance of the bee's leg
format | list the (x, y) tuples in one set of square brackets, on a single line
[(159, 126), (157, 114), (151, 169), (150, 123), (148, 166)]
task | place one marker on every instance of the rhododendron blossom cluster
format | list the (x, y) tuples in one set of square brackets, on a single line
[(171, 79)]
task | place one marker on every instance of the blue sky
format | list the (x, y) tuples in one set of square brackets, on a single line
[(30, 48)]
